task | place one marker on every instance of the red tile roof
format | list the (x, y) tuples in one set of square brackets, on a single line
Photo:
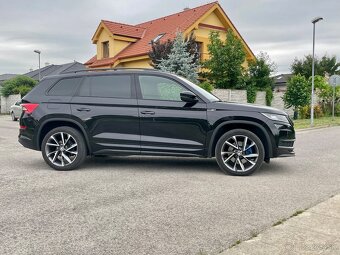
[(170, 25), (124, 29), (91, 60)]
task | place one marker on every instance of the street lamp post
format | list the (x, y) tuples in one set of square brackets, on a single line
[(38, 52), (314, 21)]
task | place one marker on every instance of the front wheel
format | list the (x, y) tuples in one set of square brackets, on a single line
[(239, 152), (64, 148)]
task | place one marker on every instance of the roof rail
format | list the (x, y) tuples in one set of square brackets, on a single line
[(111, 69)]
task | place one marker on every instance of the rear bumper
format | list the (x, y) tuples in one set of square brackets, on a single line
[(26, 142)]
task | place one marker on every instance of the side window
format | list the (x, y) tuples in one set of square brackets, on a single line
[(160, 88), (118, 86), (65, 87)]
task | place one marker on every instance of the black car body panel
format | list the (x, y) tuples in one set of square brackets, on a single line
[(131, 124)]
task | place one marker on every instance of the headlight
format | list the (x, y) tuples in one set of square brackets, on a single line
[(276, 117)]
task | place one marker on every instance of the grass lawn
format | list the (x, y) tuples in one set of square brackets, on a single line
[(320, 122)]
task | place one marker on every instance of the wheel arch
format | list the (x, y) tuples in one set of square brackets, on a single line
[(254, 127), (49, 124)]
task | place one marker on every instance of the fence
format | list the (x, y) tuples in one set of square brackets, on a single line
[(7, 102), (240, 96), (230, 95)]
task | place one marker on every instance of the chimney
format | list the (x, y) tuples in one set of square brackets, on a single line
[(47, 64), (186, 9)]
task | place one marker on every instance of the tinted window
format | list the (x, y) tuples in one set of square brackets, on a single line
[(159, 88), (65, 87), (118, 86)]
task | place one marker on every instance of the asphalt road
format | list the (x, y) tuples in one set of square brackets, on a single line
[(148, 205)]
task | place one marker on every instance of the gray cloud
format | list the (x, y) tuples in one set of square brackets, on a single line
[(62, 29)]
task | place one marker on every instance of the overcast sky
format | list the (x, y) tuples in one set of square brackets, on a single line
[(62, 29)]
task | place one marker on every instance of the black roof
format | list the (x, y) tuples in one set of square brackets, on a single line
[(281, 79), (6, 76), (55, 70)]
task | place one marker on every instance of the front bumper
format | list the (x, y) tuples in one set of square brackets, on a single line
[(285, 140), (286, 151)]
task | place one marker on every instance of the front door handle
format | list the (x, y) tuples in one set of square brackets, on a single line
[(83, 109), (148, 112)]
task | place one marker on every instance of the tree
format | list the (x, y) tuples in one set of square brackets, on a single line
[(327, 65), (303, 66), (259, 71), (258, 77), (18, 85), (161, 50), (297, 94), (192, 48), (179, 60), (324, 91), (224, 67)]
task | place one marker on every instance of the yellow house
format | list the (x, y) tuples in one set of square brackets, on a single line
[(123, 45)]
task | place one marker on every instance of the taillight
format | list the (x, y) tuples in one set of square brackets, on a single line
[(22, 127), (29, 108)]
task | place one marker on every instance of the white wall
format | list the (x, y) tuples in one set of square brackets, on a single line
[(7, 102), (240, 96)]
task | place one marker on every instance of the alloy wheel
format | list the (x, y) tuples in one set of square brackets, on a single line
[(239, 153), (61, 149)]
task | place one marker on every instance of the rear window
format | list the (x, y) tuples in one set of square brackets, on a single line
[(65, 87), (118, 86)]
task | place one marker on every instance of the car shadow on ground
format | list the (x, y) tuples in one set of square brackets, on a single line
[(171, 164)]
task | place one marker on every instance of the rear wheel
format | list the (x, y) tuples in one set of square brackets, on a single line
[(13, 116), (64, 148), (239, 152)]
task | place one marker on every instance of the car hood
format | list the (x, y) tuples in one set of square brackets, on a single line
[(245, 107)]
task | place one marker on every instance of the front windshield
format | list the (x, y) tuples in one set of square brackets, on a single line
[(205, 93)]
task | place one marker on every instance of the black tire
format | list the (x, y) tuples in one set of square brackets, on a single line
[(13, 117), (237, 158), (78, 147)]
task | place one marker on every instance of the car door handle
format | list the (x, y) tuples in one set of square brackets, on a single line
[(83, 109), (148, 112)]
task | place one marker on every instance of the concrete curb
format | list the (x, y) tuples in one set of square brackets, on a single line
[(314, 231), (315, 128)]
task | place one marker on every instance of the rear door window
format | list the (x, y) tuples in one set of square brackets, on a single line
[(65, 87), (117, 86)]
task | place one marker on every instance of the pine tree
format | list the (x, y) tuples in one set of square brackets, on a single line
[(180, 61)]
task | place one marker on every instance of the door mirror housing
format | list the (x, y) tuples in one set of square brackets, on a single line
[(188, 97)]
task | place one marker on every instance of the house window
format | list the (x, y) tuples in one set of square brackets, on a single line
[(106, 52)]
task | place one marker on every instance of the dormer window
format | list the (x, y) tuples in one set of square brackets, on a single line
[(157, 38), (106, 51)]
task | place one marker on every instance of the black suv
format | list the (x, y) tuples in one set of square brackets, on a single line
[(147, 112)]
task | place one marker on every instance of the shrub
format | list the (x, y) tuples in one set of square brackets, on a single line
[(305, 112), (18, 85), (337, 109), (206, 86), (269, 96), (251, 93), (297, 94)]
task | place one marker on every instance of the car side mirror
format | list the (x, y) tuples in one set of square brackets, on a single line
[(188, 97)]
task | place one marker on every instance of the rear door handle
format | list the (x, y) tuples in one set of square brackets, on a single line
[(148, 112), (83, 109)]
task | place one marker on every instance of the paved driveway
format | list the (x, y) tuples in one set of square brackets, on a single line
[(133, 205)]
